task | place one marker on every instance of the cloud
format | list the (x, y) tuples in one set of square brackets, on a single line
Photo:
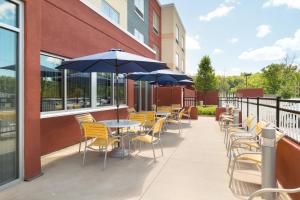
[(292, 43), (289, 3), (192, 42), (217, 51), (234, 40), (7, 10), (54, 61), (221, 11), (263, 31), (267, 53)]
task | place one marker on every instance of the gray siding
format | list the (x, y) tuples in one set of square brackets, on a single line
[(135, 22)]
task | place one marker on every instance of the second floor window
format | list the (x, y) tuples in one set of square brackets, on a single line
[(182, 43), (177, 60), (139, 7), (139, 36), (110, 12), (177, 34), (155, 48), (155, 23)]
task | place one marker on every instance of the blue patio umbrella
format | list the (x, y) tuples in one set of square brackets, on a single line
[(113, 61), (159, 77), (185, 82)]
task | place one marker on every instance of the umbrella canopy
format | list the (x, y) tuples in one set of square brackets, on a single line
[(113, 61), (185, 82), (155, 75)]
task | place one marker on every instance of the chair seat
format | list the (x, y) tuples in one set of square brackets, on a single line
[(252, 157), (102, 142), (247, 142), (172, 121), (149, 123), (144, 138)]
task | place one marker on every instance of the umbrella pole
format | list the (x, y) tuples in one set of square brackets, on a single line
[(156, 95), (117, 93)]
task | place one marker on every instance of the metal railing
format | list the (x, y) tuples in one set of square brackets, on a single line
[(189, 101), (281, 112)]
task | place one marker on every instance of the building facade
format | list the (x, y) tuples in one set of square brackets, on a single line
[(38, 102), (172, 38)]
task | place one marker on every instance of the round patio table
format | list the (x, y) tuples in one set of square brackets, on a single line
[(120, 152)]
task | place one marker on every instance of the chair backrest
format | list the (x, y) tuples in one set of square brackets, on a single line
[(149, 115), (139, 117), (259, 126), (176, 106), (157, 127), (131, 110), (153, 107), (164, 109), (87, 117), (249, 121), (190, 109), (95, 130), (180, 114), (279, 135)]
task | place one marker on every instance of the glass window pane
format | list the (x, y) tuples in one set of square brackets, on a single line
[(105, 8), (52, 84), (110, 12), (78, 90), (122, 89), (104, 89), (8, 13), (8, 116)]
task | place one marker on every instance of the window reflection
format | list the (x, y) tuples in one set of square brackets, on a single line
[(78, 90), (122, 89), (8, 13), (8, 106), (52, 88), (104, 89)]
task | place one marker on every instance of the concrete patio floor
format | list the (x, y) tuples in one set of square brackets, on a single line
[(193, 167)]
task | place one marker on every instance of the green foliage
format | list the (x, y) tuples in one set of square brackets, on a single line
[(205, 79), (206, 110)]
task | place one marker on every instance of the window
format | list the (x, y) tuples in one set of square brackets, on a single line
[(182, 65), (104, 89), (78, 90), (155, 23), (177, 60), (182, 43), (122, 89), (110, 12), (139, 7), (9, 13), (139, 36), (155, 48), (177, 34), (52, 84)]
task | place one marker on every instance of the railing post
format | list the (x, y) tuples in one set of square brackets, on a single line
[(277, 111), (268, 161), (257, 109), (247, 106)]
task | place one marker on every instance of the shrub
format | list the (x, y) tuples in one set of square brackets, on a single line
[(206, 110)]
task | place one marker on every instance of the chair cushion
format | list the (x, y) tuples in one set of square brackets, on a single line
[(102, 142), (144, 138)]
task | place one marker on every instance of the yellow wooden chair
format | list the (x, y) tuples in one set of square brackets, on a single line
[(131, 110), (164, 109), (87, 117), (150, 118), (139, 117), (152, 137), (187, 114), (100, 137), (177, 120), (254, 157)]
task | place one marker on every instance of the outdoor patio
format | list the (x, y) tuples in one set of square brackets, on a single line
[(193, 167)]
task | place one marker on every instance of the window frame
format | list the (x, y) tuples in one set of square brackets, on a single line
[(177, 34), (138, 35), (111, 8), (177, 60), (93, 107), (155, 29), (139, 11)]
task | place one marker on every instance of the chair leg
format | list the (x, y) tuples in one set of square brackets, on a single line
[(80, 145), (231, 174), (161, 148), (153, 152), (105, 157), (84, 154), (229, 162), (129, 148), (179, 127)]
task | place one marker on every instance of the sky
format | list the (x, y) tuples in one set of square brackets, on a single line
[(239, 35)]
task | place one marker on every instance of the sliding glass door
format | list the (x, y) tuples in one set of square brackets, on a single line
[(9, 58)]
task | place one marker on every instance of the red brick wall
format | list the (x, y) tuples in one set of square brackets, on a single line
[(210, 98), (69, 29), (250, 92), (154, 39), (287, 165)]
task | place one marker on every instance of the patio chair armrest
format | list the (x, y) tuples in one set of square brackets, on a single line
[(273, 190)]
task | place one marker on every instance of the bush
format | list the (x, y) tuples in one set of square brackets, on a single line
[(206, 110)]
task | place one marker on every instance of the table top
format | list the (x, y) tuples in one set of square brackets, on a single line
[(123, 123), (163, 113)]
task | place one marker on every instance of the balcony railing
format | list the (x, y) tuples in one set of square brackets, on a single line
[(281, 112)]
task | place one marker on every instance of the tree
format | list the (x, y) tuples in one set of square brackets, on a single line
[(205, 79)]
